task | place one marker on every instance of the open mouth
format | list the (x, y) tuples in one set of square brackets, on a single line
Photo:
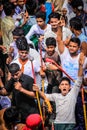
[(64, 89)]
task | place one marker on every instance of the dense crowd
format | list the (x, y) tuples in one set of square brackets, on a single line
[(43, 64)]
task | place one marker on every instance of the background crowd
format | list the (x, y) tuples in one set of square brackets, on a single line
[(43, 64)]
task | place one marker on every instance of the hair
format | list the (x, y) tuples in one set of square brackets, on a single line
[(11, 114), (51, 41), (1, 3), (13, 68), (65, 79), (78, 4), (41, 2), (8, 8), (22, 44), (31, 5), (18, 31), (41, 14), (76, 23), (76, 40), (54, 15)]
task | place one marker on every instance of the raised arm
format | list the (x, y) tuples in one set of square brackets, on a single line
[(61, 45), (81, 62)]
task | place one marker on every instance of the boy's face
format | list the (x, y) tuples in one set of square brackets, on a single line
[(54, 23), (40, 22), (17, 75), (64, 87), (50, 50), (23, 55), (73, 47)]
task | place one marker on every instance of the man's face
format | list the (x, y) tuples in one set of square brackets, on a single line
[(54, 23), (64, 87), (50, 50), (21, 3), (23, 54), (16, 76), (40, 22), (73, 47)]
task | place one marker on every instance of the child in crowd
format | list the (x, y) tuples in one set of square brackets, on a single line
[(52, 76)]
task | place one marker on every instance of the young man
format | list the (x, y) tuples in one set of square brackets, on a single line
[(23, 59), (76, 25), (71, 66), (66, 100), (55, 21), (39, 30), (22, 94), (26, 62)]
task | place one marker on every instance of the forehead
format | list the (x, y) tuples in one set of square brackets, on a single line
[(23, 51), (51, 46), (39, 20), (16, 73), (54, 19), (64, 82), (73, 43)]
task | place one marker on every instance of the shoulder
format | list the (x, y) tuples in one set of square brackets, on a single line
[(25, 77)]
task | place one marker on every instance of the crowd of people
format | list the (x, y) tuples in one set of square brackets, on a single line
[(43, 65)]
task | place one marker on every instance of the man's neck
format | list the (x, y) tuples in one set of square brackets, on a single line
[(74, 55), (55, 30)]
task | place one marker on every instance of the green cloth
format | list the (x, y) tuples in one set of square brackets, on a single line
[(33, 38), (26, 28), (64, 126)]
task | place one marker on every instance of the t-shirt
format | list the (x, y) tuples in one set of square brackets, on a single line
[(25, 104), (69, 64), (65, 105)]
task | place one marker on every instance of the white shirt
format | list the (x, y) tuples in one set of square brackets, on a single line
[(35, 29)]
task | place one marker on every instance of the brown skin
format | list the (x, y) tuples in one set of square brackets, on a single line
[(50, 50), (41, 23)]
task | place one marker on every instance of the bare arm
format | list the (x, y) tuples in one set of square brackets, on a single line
[(2, 89), (19, 87), (81, 62), (61, 45)]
